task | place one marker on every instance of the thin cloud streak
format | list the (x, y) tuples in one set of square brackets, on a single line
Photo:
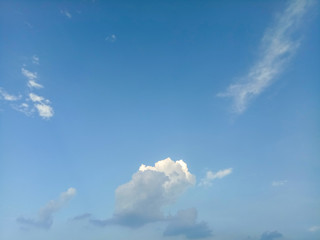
[(279, 183), (35, 59), (45, 215), (28, 74), (314, 229), (66, 13), (278, 46), (210, 176), (8, 97), (111, 38)]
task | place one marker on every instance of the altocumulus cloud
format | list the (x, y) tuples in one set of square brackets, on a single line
[(31, 102), (45, 215), (277, 47)]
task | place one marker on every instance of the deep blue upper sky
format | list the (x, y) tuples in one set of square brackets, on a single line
[(91, 90)]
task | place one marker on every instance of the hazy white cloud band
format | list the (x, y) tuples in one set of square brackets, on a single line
[(314, 229), (45, 215), (277, 47), (210, 176), (279, 183), (8, 97)]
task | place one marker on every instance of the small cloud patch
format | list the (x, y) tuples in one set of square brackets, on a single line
[(66, 13), (44, 218), (111, 38), (279, 183), (271, 235), (210, 176), (184, 223)]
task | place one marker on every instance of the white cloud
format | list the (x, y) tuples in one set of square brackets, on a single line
[(8, 97), (111, 38), (34, 84), (278, 45), (30, 75), (152, 188), (24, 108), (279, 183), (184, 223), (66, 13), (44, 218), (35, 59), (210, 176), (39, 103), (44, 110), (35, 98), (142, 200), (314, 229), (42, 106)]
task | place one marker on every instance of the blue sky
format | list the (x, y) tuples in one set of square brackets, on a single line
[(159, 120)]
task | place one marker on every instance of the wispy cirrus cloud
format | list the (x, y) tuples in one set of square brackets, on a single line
[(278, 45), (40, 104), (314, 228), (111, 38), (210, 176), (44, 218), (35, 59), (66, 13), (31, 102), (29, 74), (8, 97), (32, 78), (271, 235), (279, 183)]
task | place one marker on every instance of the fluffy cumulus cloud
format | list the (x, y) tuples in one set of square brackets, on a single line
[(142, 200), (278, 45), (210, 176), (271, 235), (184, 223), (44, 218)]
